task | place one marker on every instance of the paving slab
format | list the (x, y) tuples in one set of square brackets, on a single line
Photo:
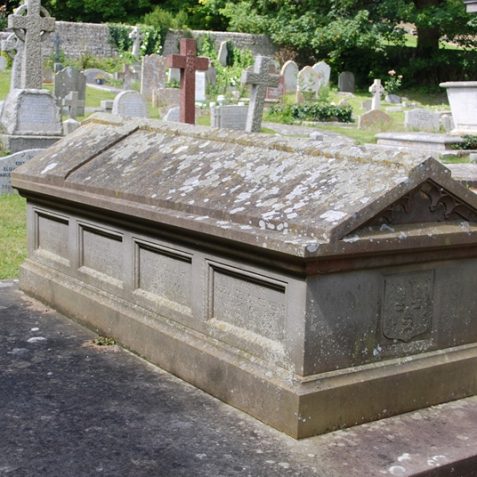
[(70, 408)]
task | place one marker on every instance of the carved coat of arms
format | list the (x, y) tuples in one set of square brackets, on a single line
[(407, 307)]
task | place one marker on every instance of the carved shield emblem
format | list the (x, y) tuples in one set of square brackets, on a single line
[(407, 306)]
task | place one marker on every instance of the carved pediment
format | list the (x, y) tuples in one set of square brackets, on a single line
[(427, 203)]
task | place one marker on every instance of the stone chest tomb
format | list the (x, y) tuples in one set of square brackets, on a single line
[(314, 287)]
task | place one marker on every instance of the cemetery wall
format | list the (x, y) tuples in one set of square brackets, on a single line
[(257, 44)]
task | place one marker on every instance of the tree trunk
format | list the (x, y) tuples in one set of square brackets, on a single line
[(427, 37)]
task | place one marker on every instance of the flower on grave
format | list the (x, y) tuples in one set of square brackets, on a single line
[(393, 83)]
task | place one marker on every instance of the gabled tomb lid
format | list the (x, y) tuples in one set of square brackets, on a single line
[(283, 194)]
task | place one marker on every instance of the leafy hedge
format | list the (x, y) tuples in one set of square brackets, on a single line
[(318, 111)]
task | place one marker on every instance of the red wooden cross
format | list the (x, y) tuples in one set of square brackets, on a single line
[(188, 63)]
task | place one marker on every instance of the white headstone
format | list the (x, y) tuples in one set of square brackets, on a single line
[(14, 47), (324, 70), (9, 163), (200, 86), (422, 120), (289, 72), (130, 104), (137, 37), (377, 90), (228, 117), (309, 83)]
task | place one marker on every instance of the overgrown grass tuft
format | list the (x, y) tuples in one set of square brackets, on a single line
[(13, 245)]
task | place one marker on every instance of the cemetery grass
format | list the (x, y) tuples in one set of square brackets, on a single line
[(12, 235)]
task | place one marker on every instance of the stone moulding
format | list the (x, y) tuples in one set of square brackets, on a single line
[(314, 288), (462, 97)]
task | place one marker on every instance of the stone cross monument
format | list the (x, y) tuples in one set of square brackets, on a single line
[(260, 79), (376, 89), (136, 36), (188, 63), (14, 47), (29, 26)]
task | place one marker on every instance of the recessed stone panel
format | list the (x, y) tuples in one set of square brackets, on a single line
[(52, 235), (101, 251), (164, 273), (407, 306), (252, 302)]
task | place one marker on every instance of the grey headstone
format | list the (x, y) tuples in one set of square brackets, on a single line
[(324, 70), (74, 104), (374, 119), (366, 105), (393, 98), (3, 63), (447, 122), (173, 115), (223, 54), (260, 79), (92, 74), (31, 112), (107, 105), (229, 117), (422, 120), (212, 74), (289, 72), (166, 98), (346, 82), (9, 163), (68, 80), (130, 104), (153, 75)]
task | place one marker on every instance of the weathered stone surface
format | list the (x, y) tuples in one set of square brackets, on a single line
[(346, 82), (289, 72), (260, 79), (30, 23), (153, 75), (130, 104), (70, 80), (301, 273), (9, 163), (374, 118), (74, 105), (422, 120), (229, 116)]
